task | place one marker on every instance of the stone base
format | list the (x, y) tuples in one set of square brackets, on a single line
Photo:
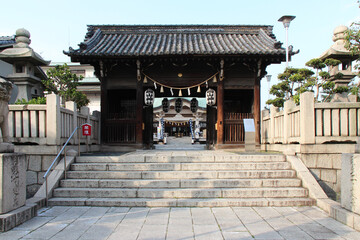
[(12, 181), (250, 142), (19, 216), (6, 148)]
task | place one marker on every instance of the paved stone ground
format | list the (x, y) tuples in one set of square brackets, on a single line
[(181, 223), (183, 143)]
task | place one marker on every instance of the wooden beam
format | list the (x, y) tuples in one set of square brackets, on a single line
[(220, 112)]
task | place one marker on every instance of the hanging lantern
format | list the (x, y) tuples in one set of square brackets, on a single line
[(149, 97), (180, 93), (172, 93), (214, 79), (165, 105), (198, 89), (210, 97), (155, 85), (145, 79), (189, 91), (193, 105), (178, 105), (161, 89)]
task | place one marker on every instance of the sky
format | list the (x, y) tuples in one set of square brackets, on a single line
[(56, 25)]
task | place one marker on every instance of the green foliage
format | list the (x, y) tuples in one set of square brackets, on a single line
[(341, 89), (64, 83), (293, 81), (277, 102), (324, 75), (39, 100), (352, 38), (332, 62), (315, 63)]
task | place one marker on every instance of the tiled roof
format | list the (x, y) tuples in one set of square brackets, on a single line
[(6, 41), (163, 40)]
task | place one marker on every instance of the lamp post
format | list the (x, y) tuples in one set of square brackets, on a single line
[(286, 19), (268, 79)]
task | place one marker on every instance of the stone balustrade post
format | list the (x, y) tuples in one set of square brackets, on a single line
[(273, 111), (287, 106), (53, 121), (97, 114), (307, 118), (264, 132), (72, 106)]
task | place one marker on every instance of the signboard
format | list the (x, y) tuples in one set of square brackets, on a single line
[(249, 125), (86, 129)]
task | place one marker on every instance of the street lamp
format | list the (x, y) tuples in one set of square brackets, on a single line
[(286, 19), (268, 79)]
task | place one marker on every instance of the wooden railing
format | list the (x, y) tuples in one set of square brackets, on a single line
[(49, 124), (311, 122)]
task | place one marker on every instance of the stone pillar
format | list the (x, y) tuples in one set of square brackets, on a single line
[(53, 121), (307, 118), (72, 106), (350, 182), (12, 181)]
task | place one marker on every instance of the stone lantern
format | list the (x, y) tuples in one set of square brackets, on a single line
[(339, 52), (26, 74)]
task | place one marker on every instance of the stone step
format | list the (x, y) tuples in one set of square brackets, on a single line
[(181, 174), (140, 158), (180, 183), (290, 192), (178, 166), (182, 202)]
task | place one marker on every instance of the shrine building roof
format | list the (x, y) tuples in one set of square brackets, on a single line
[(166, 40), (6, 41)]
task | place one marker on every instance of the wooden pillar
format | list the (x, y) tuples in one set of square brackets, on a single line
[(210, 126), (148, 131), (139, 112), (256, 109), (103, 108), (220, 112)]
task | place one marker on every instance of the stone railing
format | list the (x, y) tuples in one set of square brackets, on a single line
[(311, 123), (50, 124)]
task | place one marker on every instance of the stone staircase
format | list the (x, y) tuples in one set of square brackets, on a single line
[(181, 179)]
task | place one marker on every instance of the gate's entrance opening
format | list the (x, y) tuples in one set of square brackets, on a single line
[(179, 127)]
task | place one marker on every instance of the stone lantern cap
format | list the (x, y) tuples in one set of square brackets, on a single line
[(21, 50), (338, 50)]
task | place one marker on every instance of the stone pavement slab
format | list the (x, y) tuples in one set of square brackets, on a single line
[(113, 223)]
